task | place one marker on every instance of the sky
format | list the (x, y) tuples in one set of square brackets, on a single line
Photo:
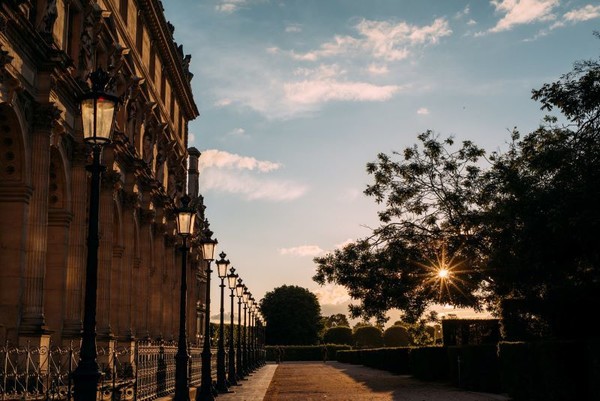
[(296, 97)]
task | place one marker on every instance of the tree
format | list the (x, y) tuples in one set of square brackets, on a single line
[(292, 315), (339, 319), (338, 335), (516, 231), (368, 336)]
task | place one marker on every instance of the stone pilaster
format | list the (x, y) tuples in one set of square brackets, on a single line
[(110, 180), (76, 259), (32, 322), (129, 205)]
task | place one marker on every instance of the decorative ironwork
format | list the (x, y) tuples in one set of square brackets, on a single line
[(130, 372)]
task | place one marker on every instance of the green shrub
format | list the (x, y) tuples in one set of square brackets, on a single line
[(368, 337), (395, 360), (396, 336), (338, 335)]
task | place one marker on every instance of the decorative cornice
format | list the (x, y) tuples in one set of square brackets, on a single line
[(158, 25), (15, 192), (45, 116)]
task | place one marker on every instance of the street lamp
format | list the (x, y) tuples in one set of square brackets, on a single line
[(231, 283), (205, 392), (98, 115), (186, 217), (246, 298), (222, 265), (239, 292), (252, 326)]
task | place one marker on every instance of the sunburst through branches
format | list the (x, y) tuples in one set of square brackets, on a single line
[(442, 275)]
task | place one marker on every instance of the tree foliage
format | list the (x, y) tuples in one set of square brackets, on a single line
[(517, 231), (292, 315), (338, 319)]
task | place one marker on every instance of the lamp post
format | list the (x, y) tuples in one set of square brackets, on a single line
[(205, 392), (252, 326), (186, 217), (222, 265), (246, 298), (239, 292), (231, 283), (97, 114)]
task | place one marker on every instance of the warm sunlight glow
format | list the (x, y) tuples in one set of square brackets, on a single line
[(442, 276)]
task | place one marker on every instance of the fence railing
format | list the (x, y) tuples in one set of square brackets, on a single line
[(137, 371)]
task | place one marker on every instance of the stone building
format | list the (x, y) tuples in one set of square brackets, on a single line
[(47, 50)]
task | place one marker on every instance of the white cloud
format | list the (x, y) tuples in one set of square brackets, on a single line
[(423, 111), (464, 12), (583, 14), (378, 69), (221, 159), (380, 39), (303, 250), (191, 137), (230, 6), (293, 28), (518, 12), (471, 22), (331, 294), (250, 187), (321, 91), (223, 102), (238, 132), (222, 171)]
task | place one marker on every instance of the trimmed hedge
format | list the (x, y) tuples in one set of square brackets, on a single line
[(429, 363), (475, 367), (551, 370), (304, 352), (395, 360)]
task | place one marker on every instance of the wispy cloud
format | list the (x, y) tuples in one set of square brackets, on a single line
[(250, 187), (230, 6), (381, 40), (519, 12), (423, 111), (321, 91), (293, 28), (583, 14), (237, 132), (464, 12), (303, 250), (223, 102), (222, 171), (221, 159), (341, 245), (376, 69)]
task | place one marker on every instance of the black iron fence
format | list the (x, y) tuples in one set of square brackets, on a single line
[(137, 371)]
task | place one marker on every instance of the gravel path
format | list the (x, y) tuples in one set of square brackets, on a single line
[(334, 381)]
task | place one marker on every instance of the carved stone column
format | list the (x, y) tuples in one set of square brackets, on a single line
[(76, 258), (32, 325), (146, 270), (157, 294), (126, 283), (110, 179)]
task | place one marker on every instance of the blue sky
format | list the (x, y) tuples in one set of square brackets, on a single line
[(295, 98)]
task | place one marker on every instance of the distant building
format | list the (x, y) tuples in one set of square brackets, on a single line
[(47, 50)]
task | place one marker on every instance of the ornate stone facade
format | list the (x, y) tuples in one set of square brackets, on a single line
[(47, 50)]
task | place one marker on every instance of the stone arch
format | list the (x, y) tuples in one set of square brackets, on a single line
[(15, 193)]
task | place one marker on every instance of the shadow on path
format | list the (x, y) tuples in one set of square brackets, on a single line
[(334, 381)]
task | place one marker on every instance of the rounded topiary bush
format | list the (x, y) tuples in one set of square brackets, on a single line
[(338, 335), (368, 336), (396, 336)]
